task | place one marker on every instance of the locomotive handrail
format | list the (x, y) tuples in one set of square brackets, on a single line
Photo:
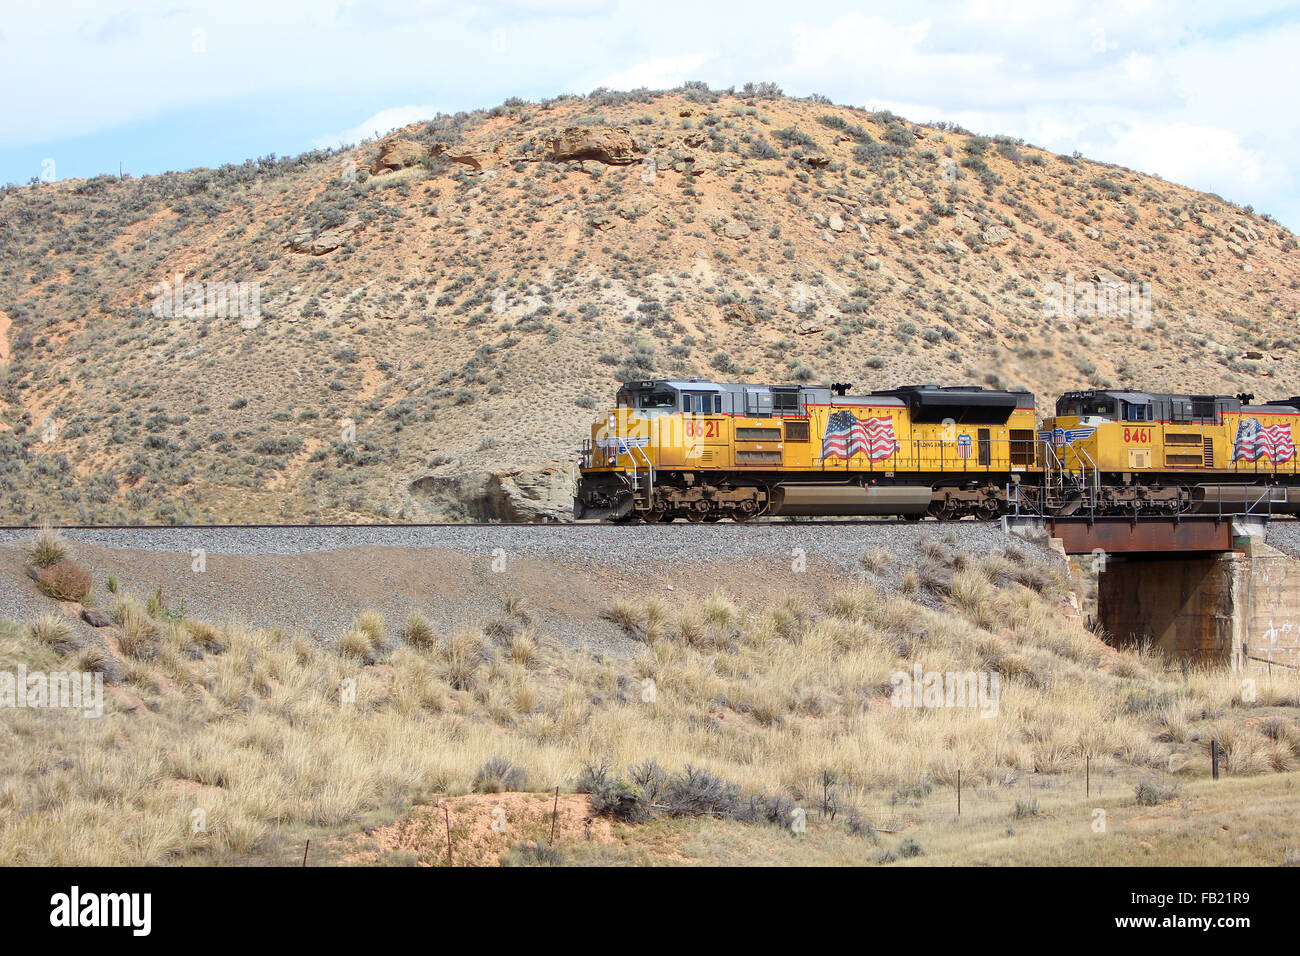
[(650, 474)]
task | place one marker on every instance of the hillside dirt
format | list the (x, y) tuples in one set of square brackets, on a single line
[(428, 324), (483, 828)]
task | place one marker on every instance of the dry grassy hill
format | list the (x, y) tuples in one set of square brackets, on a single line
[(468, 291), (686, 726)]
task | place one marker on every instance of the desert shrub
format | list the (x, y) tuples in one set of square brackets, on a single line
[(695, 792), (910, 848), (65, 580), (612, 797), (859, 827), (532, 853), (650, 777), (1150, 793), (792, 136), (1025, 808), (499, 775)]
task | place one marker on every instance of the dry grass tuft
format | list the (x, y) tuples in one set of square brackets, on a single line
[(466, 651), (50, 630), (47, 548), (418, 632), (876, 560)]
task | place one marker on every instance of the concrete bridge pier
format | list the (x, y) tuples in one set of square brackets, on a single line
[(1240, 608), (1189, 607), (1209, 592)]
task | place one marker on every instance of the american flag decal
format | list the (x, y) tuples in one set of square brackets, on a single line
[(1255, 441), (848, 436)]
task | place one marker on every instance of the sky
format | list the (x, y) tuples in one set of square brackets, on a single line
[(1199, 93)]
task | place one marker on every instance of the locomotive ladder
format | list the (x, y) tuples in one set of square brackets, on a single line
[(643, 479), (1069, 490)]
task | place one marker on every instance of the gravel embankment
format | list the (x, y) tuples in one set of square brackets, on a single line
[(315, 580), (625, 546), (1285, 536)]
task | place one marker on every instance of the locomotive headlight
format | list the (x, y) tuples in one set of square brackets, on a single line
[(613, 421)]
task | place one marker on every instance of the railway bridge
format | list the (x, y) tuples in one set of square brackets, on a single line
[(1202, 588)]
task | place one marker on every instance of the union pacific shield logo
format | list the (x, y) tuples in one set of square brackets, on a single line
[(963, 446)]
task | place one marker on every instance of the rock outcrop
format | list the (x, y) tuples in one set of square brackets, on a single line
[(531, 495), (606, 144), (397, 153)]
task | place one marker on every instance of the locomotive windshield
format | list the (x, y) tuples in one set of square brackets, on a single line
[(651, 400), (647, 396), (1104, 407)]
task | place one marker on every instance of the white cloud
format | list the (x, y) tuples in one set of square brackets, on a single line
[(1190, 153), (1190, 92), (661, 73), (385, 121)]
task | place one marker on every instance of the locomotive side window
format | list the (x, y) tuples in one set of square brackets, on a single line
[(785, 401), (1136, 413), (701, 403)]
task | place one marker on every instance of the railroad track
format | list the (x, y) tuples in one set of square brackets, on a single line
[(757, 523)]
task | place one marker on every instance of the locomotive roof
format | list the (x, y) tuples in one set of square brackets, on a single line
[(927, 394), (1226, 403), (922, 396), (1138, 397)]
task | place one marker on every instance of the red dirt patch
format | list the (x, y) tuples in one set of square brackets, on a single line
[(484, 826)]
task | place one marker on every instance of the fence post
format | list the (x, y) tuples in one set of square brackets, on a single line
[(1214, 759), (447, 812)]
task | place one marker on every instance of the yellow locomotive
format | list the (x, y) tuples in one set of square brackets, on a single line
[(703, 451), (1129, 450)]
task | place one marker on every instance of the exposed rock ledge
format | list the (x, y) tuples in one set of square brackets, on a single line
[(542, 495)]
